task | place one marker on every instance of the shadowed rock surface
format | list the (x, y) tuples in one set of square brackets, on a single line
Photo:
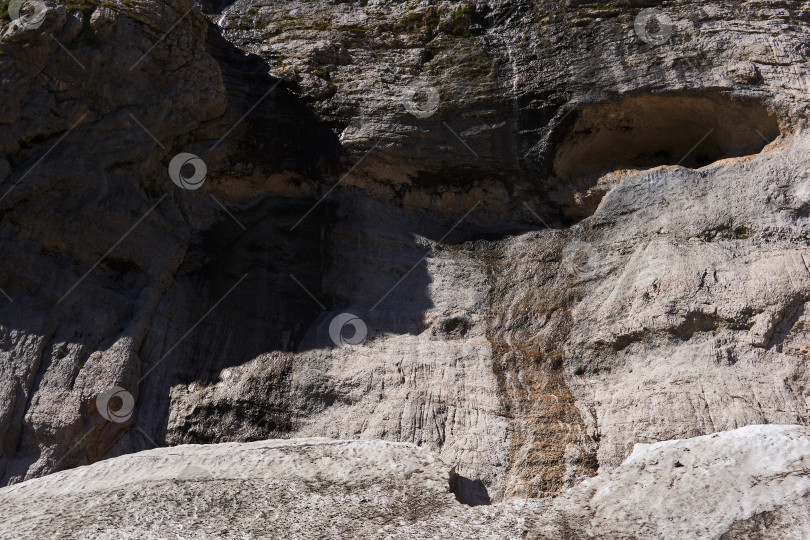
[(593, 241)]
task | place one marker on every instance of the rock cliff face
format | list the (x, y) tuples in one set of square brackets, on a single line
[(560, 228)]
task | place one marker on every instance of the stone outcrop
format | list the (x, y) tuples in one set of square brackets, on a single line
[(753, 482), (564, 234)]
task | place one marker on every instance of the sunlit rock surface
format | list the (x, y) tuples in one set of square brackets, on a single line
[(753, 482)]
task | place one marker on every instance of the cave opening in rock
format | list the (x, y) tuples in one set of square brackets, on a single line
[(647, 131)]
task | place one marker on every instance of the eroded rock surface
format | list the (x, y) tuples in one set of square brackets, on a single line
[(751, 482)]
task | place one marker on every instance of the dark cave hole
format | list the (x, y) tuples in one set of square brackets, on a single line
[(647, 131), (468, 491)]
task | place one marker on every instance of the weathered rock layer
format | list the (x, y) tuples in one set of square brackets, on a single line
[(751, 482)]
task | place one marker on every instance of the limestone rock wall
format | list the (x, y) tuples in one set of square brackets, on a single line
[(569, 241)]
